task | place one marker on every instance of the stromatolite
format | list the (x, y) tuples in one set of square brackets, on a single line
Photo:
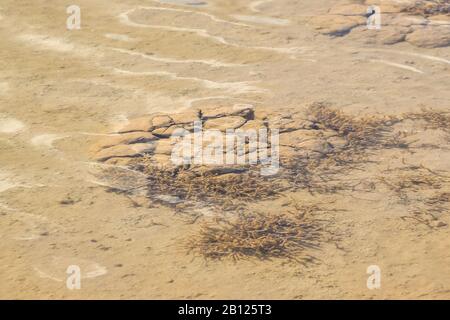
[(155, 137), (421, 23)]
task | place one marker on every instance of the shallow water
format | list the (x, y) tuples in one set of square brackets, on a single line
[(84, 85)]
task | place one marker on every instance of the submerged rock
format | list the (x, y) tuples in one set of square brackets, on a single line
[(315, 144), (151, 135), (224, 123), (430, 37), (421, 23)]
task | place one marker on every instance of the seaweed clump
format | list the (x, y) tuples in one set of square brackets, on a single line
[(258, 235), (360, 136), (226, 189)]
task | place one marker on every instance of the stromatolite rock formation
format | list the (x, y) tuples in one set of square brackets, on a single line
[(420, 22), (227, 157), (155, 136)]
